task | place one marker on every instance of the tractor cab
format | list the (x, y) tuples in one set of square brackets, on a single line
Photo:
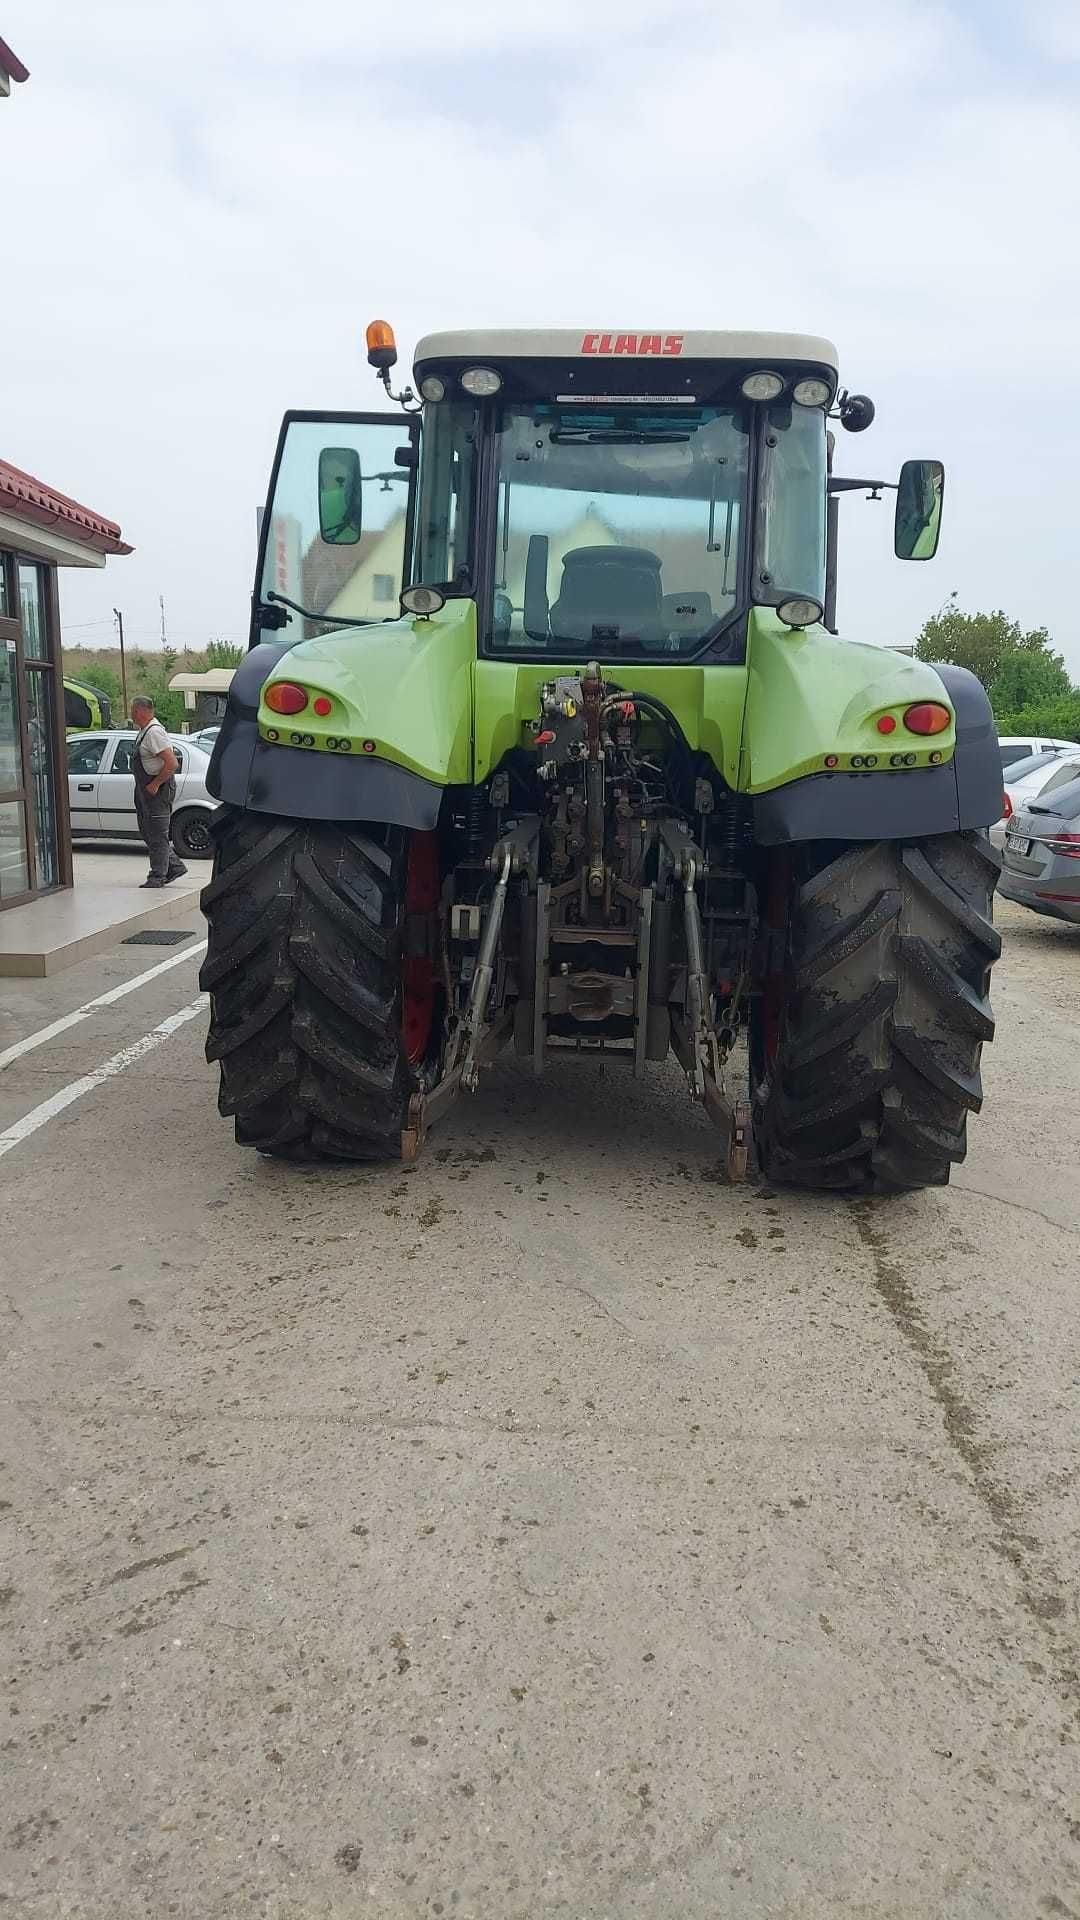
[(624, 496), (621, 476)]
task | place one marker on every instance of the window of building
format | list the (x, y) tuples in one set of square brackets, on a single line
[(382, 586), (32, 607)]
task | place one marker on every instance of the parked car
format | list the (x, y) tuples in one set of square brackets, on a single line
[(1041, 855), (101, 791), (1032, 779), (1016, 746), (204, 737)]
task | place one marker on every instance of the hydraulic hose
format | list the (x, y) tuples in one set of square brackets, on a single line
[(662, 713)]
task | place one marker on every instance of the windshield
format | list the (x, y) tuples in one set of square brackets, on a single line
[(1030, 763), (1066, 802), (618, 531)]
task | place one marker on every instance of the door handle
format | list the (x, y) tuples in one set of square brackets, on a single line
[(86, 786)]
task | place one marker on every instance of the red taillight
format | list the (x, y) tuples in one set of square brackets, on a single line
[(284, 697), (322, 706), (1006, 806), (927, 717), (1067, 844), (886, 724)]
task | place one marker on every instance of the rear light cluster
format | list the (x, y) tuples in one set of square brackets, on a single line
[(927, 717), (1006, 806), (1067, 844), (286, 697)]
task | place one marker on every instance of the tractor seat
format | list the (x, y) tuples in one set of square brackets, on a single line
[(610, 587)]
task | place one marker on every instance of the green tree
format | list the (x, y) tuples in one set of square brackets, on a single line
[(982, 642), (222, 653), (1028, 679)]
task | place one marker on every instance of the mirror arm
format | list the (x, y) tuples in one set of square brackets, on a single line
[(873, 487), (327, 619)]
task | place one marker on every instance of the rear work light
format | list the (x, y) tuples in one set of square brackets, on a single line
[(927, 717), (284, 697)]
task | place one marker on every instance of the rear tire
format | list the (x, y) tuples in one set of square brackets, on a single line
[(304, 972), (875, 1058)]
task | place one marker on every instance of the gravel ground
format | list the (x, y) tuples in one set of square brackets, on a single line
[(547, 1529)]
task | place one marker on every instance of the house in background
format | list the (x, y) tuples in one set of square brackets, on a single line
[(40, 531)]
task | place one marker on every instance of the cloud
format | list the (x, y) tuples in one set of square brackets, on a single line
[(222, 196)]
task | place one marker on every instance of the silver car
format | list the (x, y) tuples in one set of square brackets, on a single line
[(1035, 778), (101, 791), (1041, 855)]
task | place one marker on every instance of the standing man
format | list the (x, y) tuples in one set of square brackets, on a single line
[(154, 765)]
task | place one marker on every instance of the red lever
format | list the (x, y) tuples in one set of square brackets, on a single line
[(627, 709), (544, 739)]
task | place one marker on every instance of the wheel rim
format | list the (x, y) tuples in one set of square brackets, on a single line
[(196, 836), (417, 969)]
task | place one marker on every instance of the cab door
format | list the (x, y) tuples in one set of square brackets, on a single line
[(85, 756), (337, 529)]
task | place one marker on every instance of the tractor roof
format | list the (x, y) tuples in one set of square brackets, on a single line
[(760, 349)]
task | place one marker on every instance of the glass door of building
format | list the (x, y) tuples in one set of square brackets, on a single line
[(14, 853), (34, 854), (40, 671)]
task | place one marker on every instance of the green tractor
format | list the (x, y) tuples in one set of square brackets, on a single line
[(545, 741)]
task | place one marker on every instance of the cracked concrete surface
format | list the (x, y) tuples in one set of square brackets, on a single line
[(548, 1529)]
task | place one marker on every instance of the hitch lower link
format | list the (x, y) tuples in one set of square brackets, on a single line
[(476, 1039), (694, 1039)]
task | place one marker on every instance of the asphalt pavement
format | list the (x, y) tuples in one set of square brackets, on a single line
[(545, 1529)]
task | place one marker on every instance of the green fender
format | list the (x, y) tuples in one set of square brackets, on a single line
[(400, 691), (814, 699)]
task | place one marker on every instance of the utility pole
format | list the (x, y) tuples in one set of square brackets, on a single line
[(123, 662), (161, 604)]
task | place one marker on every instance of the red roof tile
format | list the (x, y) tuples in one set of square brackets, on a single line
[(21, 494)]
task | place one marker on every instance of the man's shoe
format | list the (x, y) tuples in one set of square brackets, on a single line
[(153, 881), (177, 872)]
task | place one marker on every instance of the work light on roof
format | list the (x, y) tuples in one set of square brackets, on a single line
[(481, 382), (762, 386), (432, 387), (799, 613), (811, 393)]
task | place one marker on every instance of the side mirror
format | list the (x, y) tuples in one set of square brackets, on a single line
[(919, 495), (340, 496)]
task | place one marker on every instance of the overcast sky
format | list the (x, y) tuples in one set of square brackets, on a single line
[(210, 202)]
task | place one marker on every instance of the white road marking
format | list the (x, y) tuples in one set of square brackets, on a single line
[(43, 1034), (48, 1110)]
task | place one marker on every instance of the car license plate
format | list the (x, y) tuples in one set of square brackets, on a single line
[(1017, 845)]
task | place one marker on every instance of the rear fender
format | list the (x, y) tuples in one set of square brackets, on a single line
[(400, 718), (812, 696)]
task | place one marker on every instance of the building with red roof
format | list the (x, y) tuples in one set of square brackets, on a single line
[(41, 530)]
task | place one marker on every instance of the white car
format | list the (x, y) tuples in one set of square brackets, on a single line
[(1034, 778), (101, 791), (1015, 746)]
